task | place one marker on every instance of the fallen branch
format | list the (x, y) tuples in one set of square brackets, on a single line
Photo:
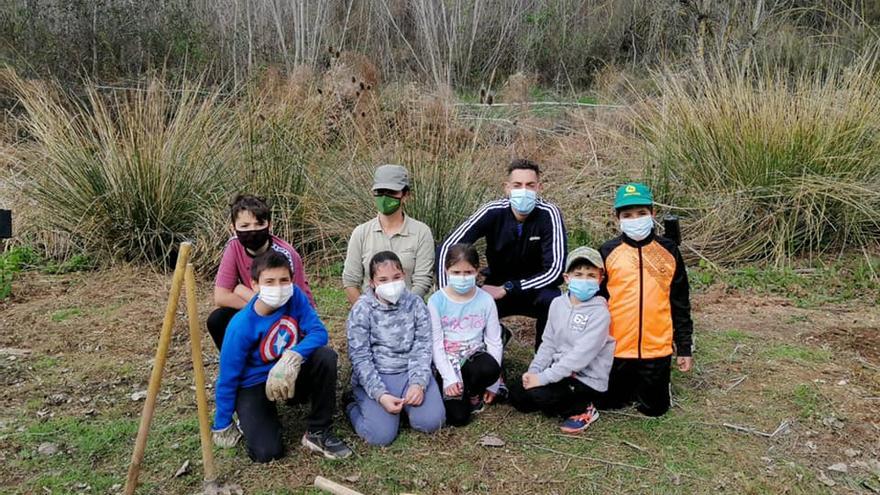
[(542, 103), (782, 426), (630, 444), (737, 382), (328, 486)]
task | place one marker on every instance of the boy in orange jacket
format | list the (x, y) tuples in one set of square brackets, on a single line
[(648, 296)]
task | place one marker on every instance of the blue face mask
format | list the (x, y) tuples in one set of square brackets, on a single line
[(462, 283), (637, 229), (583, 288), (523, 200)]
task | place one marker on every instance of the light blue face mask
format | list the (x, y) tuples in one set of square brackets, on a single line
[(639, 228), (462, 283), (583, 288), (523, 200)]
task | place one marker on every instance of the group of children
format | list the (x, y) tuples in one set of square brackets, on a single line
[(608, 341)]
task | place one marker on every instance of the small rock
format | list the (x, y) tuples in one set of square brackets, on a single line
[(676, 479), (832, 422), (491, 441), (116, 487), (140, 395), (842, 382), (839, 467), (825, 479), (175, 446), (871, 465), (47, 448), (184, 469), (852, 453), (82, 486), (90, 412), (352, 478), (57, 399)]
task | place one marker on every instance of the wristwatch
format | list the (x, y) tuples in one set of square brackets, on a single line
[(508, 286)]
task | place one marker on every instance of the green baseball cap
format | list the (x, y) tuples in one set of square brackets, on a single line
[(586, 253), (391, 177), (633, 194)]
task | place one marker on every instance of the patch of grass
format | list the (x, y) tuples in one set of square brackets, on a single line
[(806, 397), (804, 283), (65, 314), (12, 262), (797, 353)]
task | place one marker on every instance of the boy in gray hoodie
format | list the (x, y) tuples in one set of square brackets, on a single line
[(572, 364)]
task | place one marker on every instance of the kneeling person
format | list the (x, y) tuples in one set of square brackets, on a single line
[(275, 350), (572, 364)]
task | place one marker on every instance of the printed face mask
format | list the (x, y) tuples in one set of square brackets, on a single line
[(523, 200), (276, 296), (583, 288), (253, 239), (387, 205), (462, 283), (637, 229), (391, 291)]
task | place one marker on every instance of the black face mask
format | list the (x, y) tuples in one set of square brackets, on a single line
[(253, 239)]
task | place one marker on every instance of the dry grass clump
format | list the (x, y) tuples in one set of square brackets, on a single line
[(770, 168)]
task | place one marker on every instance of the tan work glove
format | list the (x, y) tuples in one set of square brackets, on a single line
[(227, 437), (282, 377)]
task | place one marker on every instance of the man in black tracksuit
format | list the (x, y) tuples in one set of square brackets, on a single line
[(525, 247)]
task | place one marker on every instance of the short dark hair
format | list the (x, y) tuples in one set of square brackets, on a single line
[(381, 258), (523, 164), (582, 263), (257, 206), (268, 260), (617, 211), (462, 252)]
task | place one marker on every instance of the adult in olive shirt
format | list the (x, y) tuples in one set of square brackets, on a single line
[(391, 230)]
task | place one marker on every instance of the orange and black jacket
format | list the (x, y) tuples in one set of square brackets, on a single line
[(648, 296)]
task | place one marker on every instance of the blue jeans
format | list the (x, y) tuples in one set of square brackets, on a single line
[(379, 427)]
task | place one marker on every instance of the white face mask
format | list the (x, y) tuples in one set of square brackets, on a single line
[(391, 291), (276, 296), (639, 228)]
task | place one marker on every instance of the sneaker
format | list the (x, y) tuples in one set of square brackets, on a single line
[(325, 442), (477, 404), (579, 423), (503, 392)]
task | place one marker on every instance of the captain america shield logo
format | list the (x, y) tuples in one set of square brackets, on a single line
[(283, 335)]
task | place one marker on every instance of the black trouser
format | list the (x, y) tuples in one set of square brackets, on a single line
[(258, 415), (478, 372), (534, 303), (643, 381), (217, 322), (567, 397)]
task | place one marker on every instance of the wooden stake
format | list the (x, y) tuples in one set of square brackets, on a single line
[(195, 338), (332, 487), (158, 367)]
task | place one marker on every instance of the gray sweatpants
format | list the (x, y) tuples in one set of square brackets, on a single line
[(379, 427)]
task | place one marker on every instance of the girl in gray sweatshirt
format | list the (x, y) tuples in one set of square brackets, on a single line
[(389, 346), (574, 360)]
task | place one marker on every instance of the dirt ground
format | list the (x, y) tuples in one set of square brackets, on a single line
[(784, 399)]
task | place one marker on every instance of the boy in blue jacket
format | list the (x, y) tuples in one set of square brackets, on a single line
[(275, 349)]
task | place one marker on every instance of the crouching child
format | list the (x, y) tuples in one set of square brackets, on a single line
[(571, 368), (389, 346), (275, 350)]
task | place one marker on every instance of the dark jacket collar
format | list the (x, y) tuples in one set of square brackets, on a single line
[(637, 244)]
